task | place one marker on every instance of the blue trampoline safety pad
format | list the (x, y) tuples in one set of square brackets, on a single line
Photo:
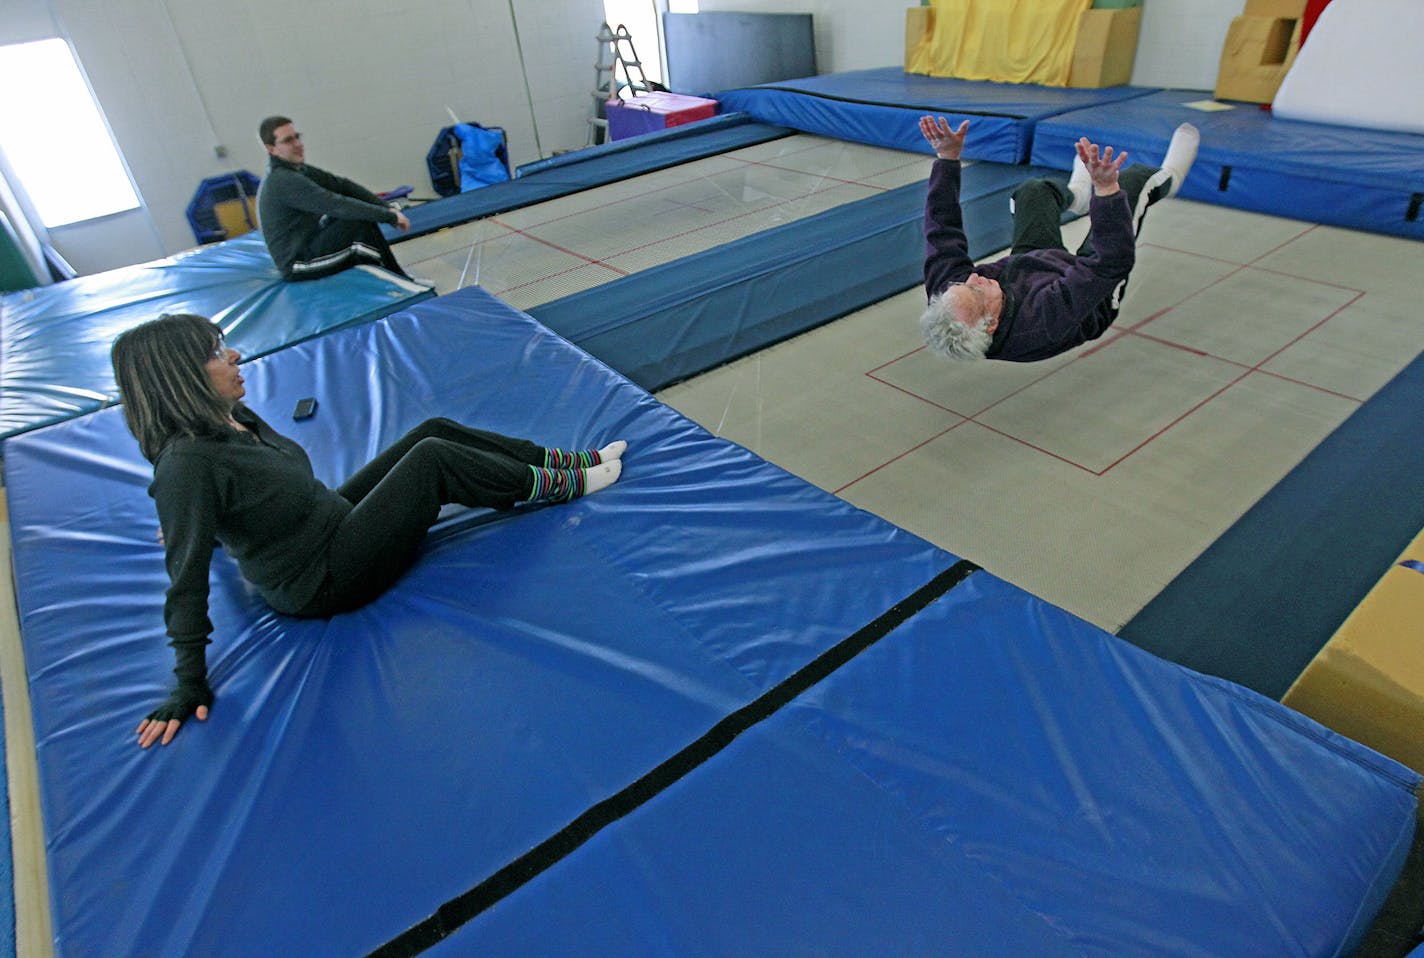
[(55, 360), (709, 710), (1337, 175), (881, 106)]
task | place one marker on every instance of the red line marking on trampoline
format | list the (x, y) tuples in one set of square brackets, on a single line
[(893, 459), (1169, 425), (915, 395), (871, 373), (569, 252), (723, 222), (1247, 370), (1190, 296), (563, 272), (1280, 246), (819, 176), (1253, 267)]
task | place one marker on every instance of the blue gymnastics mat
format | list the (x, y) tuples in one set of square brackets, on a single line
[(882, 107), (1339, 176), (585, 169), (709, 710), (664, 324), (54, 362)]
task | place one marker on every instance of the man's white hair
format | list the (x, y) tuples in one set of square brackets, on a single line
[(949, 336)]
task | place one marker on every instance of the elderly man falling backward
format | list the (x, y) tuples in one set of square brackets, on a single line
[(1040, 300)]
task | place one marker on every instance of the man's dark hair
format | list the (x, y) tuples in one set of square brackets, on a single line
[(267, 130)]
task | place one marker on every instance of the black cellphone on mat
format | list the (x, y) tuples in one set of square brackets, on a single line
[(305, 408)]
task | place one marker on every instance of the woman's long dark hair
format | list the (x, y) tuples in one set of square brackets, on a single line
[(163, 382)]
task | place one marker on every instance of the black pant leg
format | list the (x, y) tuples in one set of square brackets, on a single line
[(1038, 215), (379, 538), (341, 244), (366, 478), (1144, 186)]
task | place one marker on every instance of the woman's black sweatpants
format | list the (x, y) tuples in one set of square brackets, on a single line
[(397, 498)]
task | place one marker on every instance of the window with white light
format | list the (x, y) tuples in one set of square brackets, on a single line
[(54, 138), (641, 19)]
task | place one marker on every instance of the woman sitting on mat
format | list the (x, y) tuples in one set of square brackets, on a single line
[(222, 475)]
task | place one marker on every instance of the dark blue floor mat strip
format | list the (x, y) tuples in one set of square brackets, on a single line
[(1261, 601), (588, 168), (678, 319)]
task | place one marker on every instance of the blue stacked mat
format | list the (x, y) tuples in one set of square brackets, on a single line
[(1337, 175), (710, 710), (55, 359), (882, 106)]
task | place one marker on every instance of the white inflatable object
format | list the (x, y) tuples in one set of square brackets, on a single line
[(1360, 65)]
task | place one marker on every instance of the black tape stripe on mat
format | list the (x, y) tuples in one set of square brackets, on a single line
[(1412, 213), (461, 909)]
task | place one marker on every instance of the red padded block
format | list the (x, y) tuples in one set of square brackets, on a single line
[(648, 112)]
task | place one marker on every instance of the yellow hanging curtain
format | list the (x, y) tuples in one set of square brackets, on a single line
[(1013, 41)]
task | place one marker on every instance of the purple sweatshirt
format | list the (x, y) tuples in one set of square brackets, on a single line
[(1053, 300)]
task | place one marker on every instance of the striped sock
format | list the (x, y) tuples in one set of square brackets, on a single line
[(563, 459), (585, 458), (556, 485)]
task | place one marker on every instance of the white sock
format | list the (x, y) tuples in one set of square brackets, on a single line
[(1181, 153), (601, 476), (1080, 188), (613, 451)]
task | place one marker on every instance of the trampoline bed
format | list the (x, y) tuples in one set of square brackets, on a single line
[(588, 168), (709, 710), (54, 340), (664, 324), (1336, 175), (882, 106)]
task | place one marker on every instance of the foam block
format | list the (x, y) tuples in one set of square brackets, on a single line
[(1368, 680), (1361, 68)]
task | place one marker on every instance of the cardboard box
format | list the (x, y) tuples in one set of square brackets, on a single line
[(1106, 48), (919, 23), (1103, 56), (1367, 683), (1281, 9), (1260, 48), (648, 112)]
